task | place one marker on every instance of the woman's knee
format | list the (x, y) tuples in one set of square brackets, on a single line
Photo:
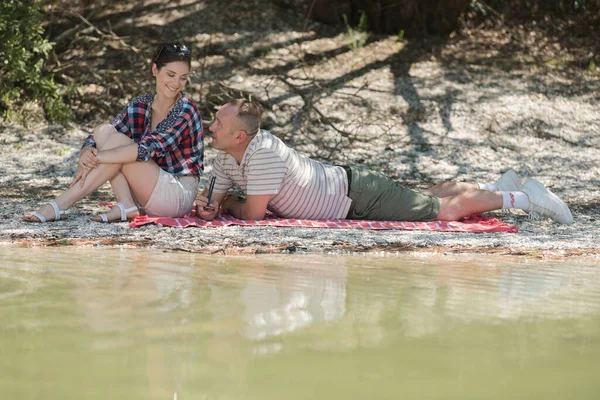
[(102, 133), (109, 138)]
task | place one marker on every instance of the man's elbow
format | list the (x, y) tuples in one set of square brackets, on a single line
[(253, 215)]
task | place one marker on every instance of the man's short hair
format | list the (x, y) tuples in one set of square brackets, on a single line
[(249, 115)]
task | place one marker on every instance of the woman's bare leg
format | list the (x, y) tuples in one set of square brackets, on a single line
[(141, 178), (118, 183), (123, 195), (135, 174)]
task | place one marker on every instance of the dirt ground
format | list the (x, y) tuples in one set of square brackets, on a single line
[(424, 111)]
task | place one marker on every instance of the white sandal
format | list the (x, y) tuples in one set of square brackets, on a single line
[(124, 212), (58, 213)]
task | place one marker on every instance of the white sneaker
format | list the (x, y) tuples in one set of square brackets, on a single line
[(509, 182), (544, 203)]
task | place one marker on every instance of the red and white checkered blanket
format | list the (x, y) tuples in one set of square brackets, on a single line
[(475, 223)]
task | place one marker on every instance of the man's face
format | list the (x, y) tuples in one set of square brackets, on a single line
[(224, 127)]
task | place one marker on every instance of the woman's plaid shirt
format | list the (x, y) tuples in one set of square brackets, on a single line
[(177, 144)]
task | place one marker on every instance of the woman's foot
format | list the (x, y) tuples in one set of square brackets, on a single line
[(47, 213), (118, 214)]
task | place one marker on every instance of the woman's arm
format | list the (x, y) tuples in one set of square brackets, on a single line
[(160, 142), (93, 157), (119, 155)]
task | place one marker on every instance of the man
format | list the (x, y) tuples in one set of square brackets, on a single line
[(290, 185)]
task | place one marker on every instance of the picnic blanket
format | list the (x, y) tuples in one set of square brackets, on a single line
[(474, 223)]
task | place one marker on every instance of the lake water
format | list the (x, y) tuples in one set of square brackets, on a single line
[(145, 324)]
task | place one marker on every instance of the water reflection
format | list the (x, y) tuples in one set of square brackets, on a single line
[(293, 299), (148, 324)]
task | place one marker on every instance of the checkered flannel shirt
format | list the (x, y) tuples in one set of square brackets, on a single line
[(177, 144)]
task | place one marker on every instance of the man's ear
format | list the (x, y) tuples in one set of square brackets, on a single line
[(240, 136)]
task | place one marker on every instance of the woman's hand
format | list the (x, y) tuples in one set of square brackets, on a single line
[(88, 159), (87, 162)]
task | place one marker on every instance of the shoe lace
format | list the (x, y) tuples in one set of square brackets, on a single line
[(533, 216)]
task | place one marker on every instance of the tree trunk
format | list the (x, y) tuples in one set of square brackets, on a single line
[(414, 17)]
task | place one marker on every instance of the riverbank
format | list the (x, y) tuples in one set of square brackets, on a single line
[(37, 169)]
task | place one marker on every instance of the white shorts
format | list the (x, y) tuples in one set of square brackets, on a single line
[(173, 196)]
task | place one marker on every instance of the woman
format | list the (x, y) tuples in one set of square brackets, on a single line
[(152, 153)]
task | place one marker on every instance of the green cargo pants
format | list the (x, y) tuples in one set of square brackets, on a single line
[(376, 196)]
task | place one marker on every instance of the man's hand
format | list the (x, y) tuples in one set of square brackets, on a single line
[(206, 211)]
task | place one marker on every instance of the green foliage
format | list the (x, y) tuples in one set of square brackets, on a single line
[(400, 36), (481, 8), (356, 37), (63, 151), (363, 22), (23, 51)]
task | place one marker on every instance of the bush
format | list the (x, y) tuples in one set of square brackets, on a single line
[(23, 51)]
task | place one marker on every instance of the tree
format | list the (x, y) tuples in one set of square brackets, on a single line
[(23, 51), (414, 17)]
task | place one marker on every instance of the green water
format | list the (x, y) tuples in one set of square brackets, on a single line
[(145, 324)]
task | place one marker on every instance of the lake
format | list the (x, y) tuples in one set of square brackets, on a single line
[(100, 323)]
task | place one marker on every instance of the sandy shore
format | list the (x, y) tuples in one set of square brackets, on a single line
[(37, 164)]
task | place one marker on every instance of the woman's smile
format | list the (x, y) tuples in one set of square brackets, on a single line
[(173, 88)]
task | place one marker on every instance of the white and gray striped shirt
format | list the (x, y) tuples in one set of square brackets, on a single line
[(300, 187)]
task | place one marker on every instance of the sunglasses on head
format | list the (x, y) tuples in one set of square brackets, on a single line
[(174, 48)]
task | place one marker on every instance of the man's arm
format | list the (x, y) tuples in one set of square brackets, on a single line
[(254, 208)]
